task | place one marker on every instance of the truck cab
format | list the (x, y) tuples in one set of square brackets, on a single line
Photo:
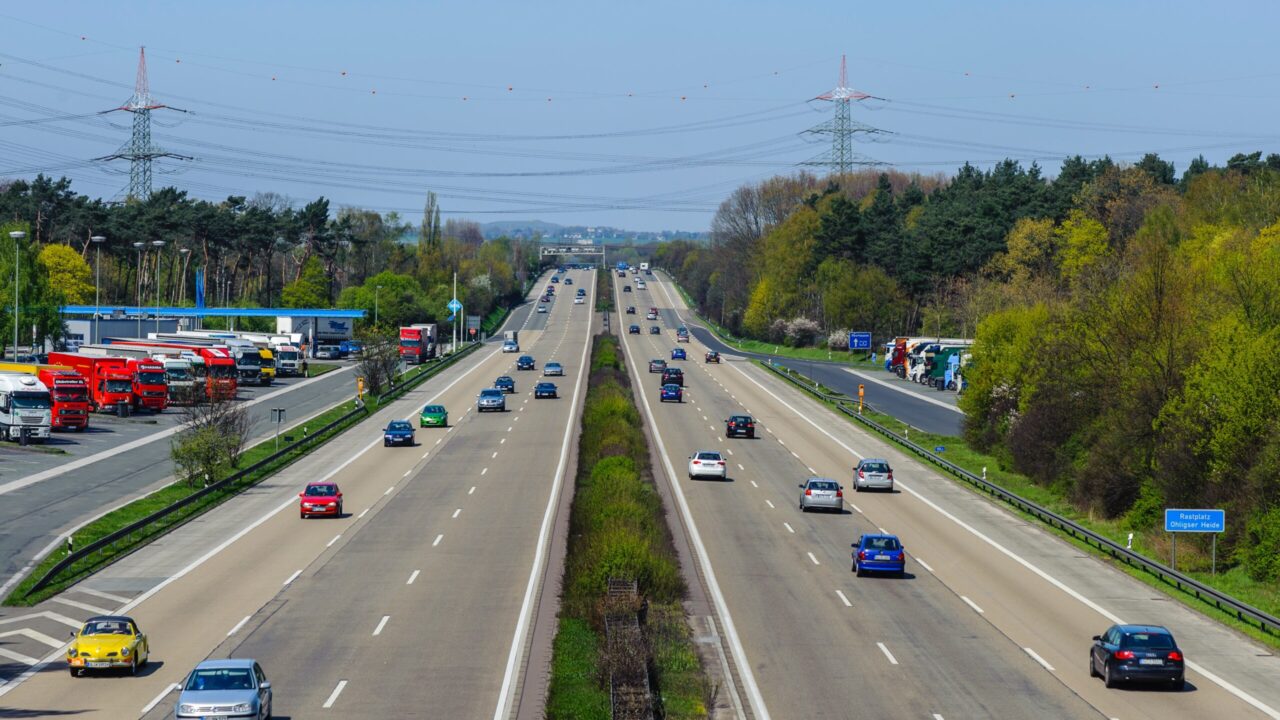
[(25, 407), (150, 389), (286, 358)]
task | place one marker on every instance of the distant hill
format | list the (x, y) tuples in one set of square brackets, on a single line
[(522, 228), (578, 233)]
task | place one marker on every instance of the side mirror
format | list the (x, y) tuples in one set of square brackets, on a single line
[(73, 634), (800, 485), (853, 545), (1096, 638), (339, 494), (266, 684), (301, 494)]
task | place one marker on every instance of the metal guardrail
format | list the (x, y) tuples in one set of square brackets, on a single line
[(1242, 611), (127, 531)]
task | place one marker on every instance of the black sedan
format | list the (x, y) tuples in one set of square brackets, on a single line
[(634, 330), (1126, 653), (525, 362)]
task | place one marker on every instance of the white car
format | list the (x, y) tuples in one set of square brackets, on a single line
[(510, 347), (707, 463), (542, 308), (552, 368), (577, 301)]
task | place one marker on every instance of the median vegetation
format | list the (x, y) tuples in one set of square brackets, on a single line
[(618, 533)]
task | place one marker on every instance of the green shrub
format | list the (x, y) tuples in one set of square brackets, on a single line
[(575, 692), (1260, 552)]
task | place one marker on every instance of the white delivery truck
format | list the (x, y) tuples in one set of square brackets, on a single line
[(26, 410)]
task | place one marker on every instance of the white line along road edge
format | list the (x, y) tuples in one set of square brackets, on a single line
[(506, 695)]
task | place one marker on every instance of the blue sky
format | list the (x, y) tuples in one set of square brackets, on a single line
[(547, 110)]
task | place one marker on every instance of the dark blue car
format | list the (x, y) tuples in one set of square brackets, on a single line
[(505, 384), (879, 553), (672, 392), (544, 390), (399, 432), (679, 354), (525, 362), (1142, 653)]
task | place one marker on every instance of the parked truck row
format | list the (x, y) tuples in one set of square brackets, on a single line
[(937, 362)]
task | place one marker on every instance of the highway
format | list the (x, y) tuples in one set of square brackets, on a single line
[(974, 630), (417, 598)]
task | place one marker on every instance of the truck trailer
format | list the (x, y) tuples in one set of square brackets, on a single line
[(69, 393)]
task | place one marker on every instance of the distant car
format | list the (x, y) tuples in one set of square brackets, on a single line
[(542, 308), (657, 366), (631, 309), (510, 346), (872, 473), (672, 392), (524, 362), (706, 463), (491, 399), (678, 354), (682, 336), (555, 278), (398, 432), (1126, 653), (552, 368), (821, 494), (879, 553), (351, 347), (626, 288), (320, 498), (328, 352), (579, 300), (634, 330), (568, 281), (232, 688), (505, 383), (655, 330), (433, 416), (673, 375), (740, 425), (582, 292), (651, 315), (108, 642), (712, 356), (545, 390), (648, 271)]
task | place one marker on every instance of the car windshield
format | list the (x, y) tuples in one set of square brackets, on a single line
[(70, 394), (823, 485), (322, 490), (490, 392), (674, 372), (177, 375), (222, 371), (399, 425), (545, 386), (433, 409), (740, 419), (553, 365), (410, 343), (289, 354), (881, 543), (875, 467), (1159, 641), (250, 358), (32, 400), (151, 378), (118, 386), (708, 456), (220, 679), (106, 627)]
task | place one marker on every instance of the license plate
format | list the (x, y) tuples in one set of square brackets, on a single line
[(214, 717), (882, 557), (1150, 661), (97, 664)]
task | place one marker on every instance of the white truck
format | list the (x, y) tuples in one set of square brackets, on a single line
[(316, 331), (26, 410), (248, 359)]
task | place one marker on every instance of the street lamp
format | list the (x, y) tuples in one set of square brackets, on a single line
[(97, 241), (376, 288), (138, 299), (16, 235), (159, 256)]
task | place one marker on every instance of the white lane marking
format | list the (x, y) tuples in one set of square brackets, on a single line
[(936, 716), (924, 565), (388, 492), (83, 606), (473, 489), (362, 513), (904, 391), (753, 482), (704, 418), (425, 454), (56, 617), (412, 576), (844, 599), (19, 657), (814, 559), (437, 442), (437, 540), (407, 472), (855, 507), (885, 650), (503, 441), (457, 512), (156, 701), (238, 625), (782, 442), (882, 531), (484, 470), (728, 451), (292, 577), (333, 696), (334, 540), (99, 593), (509, 429), (34, 635), (381, 624), (794, 455), (812, 471), (769, 503), (1038, 659), (495, 454), (789, 528), (972, 604)]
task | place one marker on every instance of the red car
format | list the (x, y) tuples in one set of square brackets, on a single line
[(322, 498)]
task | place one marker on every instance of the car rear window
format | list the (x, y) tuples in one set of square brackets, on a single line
[(876, 467), (823, 485), (882, 543), (708, 456), (1146, 640)]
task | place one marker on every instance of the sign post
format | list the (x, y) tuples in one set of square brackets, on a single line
[(859, 341), (277, 417), (1194, 521)]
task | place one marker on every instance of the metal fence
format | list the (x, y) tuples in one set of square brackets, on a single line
[(1241, 610)]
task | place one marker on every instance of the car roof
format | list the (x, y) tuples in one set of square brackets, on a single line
[(815, 478), (553, 362), (226, 663), (491, 391), (110, 618), (865, 461), (1144, 629), (872, 536)]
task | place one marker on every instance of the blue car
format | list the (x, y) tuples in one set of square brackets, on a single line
[(672, 392), (679, 354), (350, 347), (525, 362), (879, 553), (505, 384), (545, 390), (399, 432)]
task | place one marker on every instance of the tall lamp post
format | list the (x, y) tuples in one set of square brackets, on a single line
[(17, 235), (97, 241), (159, 256), (376, 288), (138, 299)]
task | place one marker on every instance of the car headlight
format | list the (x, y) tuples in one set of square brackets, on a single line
[(243, 708), (72, 652), (333, 504), (187, 709)]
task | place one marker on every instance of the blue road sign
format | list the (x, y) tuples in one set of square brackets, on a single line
[(1198, 521), (454, 306), (859, 341)]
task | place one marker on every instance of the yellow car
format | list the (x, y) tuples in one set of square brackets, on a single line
[(108, 642)]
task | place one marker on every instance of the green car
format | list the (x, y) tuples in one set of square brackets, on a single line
[(434, 416)]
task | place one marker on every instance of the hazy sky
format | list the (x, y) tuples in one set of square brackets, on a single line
[(641, 115)]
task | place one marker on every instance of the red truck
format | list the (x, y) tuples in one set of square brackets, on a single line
[(417, 343), (109, 378), (68, 390), (213, 366), (150, 389)]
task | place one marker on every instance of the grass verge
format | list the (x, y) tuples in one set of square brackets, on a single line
[(617, 529), (132, 512), (318, 369), (1193, 560)]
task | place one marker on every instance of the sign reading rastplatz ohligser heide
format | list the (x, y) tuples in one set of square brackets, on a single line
[(1195, 521)]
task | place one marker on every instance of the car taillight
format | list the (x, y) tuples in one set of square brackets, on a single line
[(697, 462), (1124, 655), (840, 493), (1175, 656), (862, 473), (890, 474), (721, 462), (808, 492), (862, 554)]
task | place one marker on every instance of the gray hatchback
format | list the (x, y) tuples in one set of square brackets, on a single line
[(233, 688), (873, 473), (821, 494)]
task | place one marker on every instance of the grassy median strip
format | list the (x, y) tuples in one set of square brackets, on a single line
[(134, 511), (617, 529), (1234, 582)]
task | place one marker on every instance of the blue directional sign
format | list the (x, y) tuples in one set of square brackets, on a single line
[(454, 306), (1196, 521), (859, 341)]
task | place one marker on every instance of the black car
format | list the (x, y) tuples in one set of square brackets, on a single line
[(626, 288), (740, 425), (655, 330), (525, 362), (505, 383), (1127, 653), (631, 309), (544, 390), (673, 376), (634, 330)]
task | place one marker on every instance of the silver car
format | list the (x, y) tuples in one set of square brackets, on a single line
[(235, 688), (873, 474), (491, 399), (818, 493), (552, 368), (706, 463)]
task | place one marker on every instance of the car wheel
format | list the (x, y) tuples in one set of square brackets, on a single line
[(386, 444), (803, 508), (1107, 679), (74, 673), (133, 666), (302, 515), (857, 487), (1093, 668), (1180, 684), (857, 570)]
